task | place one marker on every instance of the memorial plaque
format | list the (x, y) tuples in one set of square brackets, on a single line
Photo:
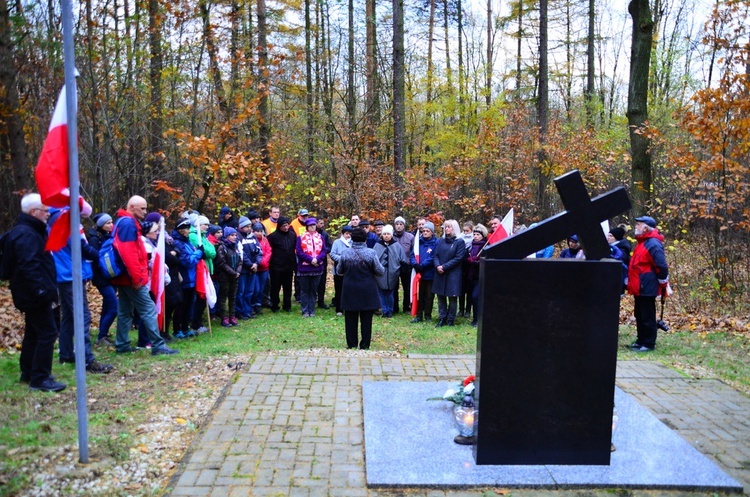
[(547, 340), (546, 360)]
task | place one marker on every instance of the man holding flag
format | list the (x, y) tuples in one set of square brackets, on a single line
[(134, 284)]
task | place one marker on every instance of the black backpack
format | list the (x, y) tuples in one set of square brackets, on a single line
[(5, 264)]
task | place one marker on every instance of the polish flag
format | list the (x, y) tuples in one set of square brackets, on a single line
[(52, 175), (157, 276), (503, 231), (415, 277), (204, 287)]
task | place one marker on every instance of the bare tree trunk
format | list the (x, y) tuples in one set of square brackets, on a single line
[(309, 139), (14, 142), (640, 58), (461, 78), (430, 43), (371, 76), (488, 68), (156, 142), (542, 110), (264, 132), (519, 48), (590, 69), (399, 130), (351, 102), (213, 59), (448, 73)]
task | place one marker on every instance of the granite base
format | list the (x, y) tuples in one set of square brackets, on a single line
[(409, 443)]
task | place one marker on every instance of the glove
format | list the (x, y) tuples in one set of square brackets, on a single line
[(665, 289)]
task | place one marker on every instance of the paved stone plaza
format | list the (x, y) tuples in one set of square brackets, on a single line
[(294, 425)]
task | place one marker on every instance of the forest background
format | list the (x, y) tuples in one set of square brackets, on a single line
[(448, 108)]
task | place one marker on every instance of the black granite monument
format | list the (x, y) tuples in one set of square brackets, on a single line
[(547, 339)]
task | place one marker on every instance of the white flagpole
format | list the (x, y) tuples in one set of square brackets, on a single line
[(75, 221)]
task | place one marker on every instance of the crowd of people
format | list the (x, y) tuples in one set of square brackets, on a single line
[(256, 263)]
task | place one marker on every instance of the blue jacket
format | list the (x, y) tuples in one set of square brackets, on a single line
[(189, 256), (64, 258), (426, 253), (252, 253)]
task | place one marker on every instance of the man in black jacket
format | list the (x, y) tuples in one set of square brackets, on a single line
[(34, 289), (283, 263)]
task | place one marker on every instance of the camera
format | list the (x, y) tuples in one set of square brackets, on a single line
[(662, 325)]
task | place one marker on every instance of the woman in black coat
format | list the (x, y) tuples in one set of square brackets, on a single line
[(359, 266), (448, 258)]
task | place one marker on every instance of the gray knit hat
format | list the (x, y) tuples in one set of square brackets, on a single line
[(399, 219), (429, 226), (244, 222), (102, 219)]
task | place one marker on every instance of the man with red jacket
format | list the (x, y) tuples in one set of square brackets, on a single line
[(133, 284), (648, 277)]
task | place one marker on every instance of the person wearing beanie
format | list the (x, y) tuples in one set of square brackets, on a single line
[(616, 238), (422, 262), (215, 233), (392, 257), (261, 275), (189, 256), (406, 240), (311, 256), (244, 221), (153, 217), (448, 258), (199, 238), (359, 267), (226, 218), (253, 216), (251, 257), (64, 268), (321, 228), (229, 271), (648, 277), (337, 250), (282, 265), (96, 237), (574, 247)]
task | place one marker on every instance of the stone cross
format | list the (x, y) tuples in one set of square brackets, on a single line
[(583, 216)]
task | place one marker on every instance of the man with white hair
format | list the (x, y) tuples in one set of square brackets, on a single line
[(33, 286)]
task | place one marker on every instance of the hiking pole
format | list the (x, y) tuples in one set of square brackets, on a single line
[(660, 323), (211, 331)]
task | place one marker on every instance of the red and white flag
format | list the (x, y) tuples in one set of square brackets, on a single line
[(415, 277), (158, 269), (52, 175), (503, 231)]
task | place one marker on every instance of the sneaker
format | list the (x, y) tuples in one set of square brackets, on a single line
[(233, 321), (99, 368), (244, 317), (125, 350), (48, 385), (312, 315), (416, 320), (105, 342), (635, 345), (201, 330), (339, 314), (305, 315), (323, 305), (180, 335), (643, 348), (225, 323), (164, 350), (189, 334), (146, 346), (68, 361)]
